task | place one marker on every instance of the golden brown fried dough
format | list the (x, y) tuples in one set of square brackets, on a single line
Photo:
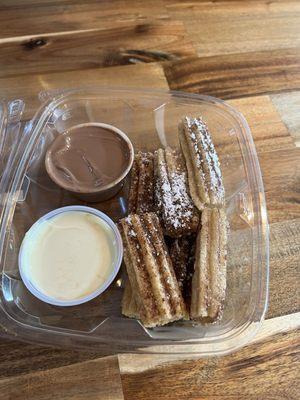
[(130, 307), (141, 191), (202, 162), (175, 207), (150, 271), (209, 279), (182, 253)]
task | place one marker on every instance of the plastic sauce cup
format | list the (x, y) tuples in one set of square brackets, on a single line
[(101, 149), (116, 256)]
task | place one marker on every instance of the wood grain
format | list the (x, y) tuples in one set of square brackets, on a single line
[(284, 268), (266, 370), (281, 177), (91, 380), (137, 363), (241, 26), (288, 106), (18, 358), (44, 17), (100, 378), (266, 125), (140, 75), (267, 129), (123, 43), (237, 75)]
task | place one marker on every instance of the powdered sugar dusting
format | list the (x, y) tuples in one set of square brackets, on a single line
[(172, 196), (197, 153), (206, 159), (132, 233)]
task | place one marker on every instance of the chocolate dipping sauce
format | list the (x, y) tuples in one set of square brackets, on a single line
[(90, 159)]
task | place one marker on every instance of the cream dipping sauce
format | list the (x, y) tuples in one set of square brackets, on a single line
[(70, 255)]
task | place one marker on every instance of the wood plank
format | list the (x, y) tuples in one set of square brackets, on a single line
[(69, 15), (123, 43), (277, 325), (18, 358), (288, 106), (267, 129), (140, 75), (265, 370), (284, 259), (280, 171), (137, 363), (91, 380), (99, 379), (284, 268), (237, 75), (238, 27)]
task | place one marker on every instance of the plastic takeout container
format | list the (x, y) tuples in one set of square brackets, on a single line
[(150, 119), (117, 248)]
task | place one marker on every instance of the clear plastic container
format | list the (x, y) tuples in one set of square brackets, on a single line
[(150, 120)]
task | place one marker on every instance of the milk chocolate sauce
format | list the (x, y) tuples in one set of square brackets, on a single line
[(88, 158)]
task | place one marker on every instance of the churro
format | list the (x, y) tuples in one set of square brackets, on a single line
[(209, 279), (175, 207), (202, 162), (141, 184), (150, 271), (182, 253), (130, 306)]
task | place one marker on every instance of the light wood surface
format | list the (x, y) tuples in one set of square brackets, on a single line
[(90, 380), (231, 27), (149, 75), (136, 363), (247, 374), (245, 52), (288, 105), (267, 128)]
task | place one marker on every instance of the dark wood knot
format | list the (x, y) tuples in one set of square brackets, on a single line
[(34, 43), (142, 28)]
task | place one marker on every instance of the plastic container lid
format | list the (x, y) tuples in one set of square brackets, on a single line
[(150, 119)]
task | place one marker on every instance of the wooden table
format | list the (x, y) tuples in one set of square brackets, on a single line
[(245, 51)]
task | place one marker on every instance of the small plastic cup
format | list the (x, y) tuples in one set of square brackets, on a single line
[(116, 263), (94, 194)]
